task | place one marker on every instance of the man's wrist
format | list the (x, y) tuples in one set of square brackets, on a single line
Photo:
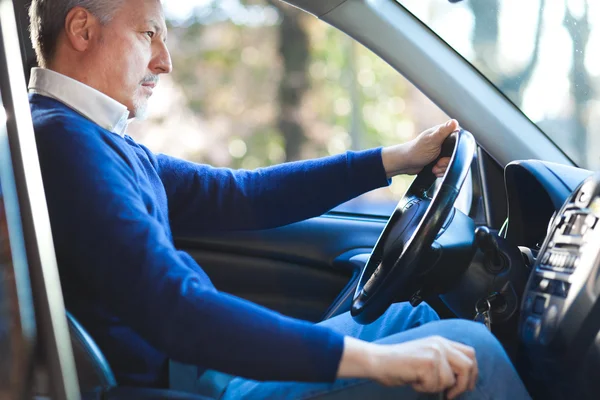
[(394, 159), (359, 359)]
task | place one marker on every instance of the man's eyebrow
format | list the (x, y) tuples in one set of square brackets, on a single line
[(159, 30)]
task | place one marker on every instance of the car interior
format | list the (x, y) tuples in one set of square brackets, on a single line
[(521, 256)]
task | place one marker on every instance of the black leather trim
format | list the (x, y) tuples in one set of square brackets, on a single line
[(312, 242), (130, 393), (93, 370), (344, 301)]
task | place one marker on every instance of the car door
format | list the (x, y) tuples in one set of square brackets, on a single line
[(304, 112), (320, 92), (265, 83)]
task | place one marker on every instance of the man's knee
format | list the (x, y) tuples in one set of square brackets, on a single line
[(424, 308), (473, 334), (414, 316), (494, 364)]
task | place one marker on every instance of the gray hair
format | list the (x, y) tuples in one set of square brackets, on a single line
[(48, 20)]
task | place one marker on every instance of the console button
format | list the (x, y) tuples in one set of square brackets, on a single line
[(583, 198), (585, 194), (561, 288), (531, 329), (562, 260), (535, 282), (550, 320), (590, 221), (551, 314), (539, 304), (545, 258)]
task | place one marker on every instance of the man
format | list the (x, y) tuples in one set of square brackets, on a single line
[(114, 205)]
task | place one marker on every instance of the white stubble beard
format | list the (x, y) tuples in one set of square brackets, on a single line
[(140, 105)]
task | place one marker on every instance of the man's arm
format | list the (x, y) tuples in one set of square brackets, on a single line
[(206, 198), (107, 242)]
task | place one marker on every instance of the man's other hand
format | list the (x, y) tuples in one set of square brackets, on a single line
[(411, 157), (430, 365)]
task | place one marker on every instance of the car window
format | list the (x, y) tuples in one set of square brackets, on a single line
[(541, 54), (5, 309), (17, 319), (258, 83)]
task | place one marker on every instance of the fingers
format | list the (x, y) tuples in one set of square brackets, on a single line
[(470, 353), (463, 367), (448, 378), (446, 129), (440, 132), (439, 376), (431, 365), (439, 169), (454, 368)]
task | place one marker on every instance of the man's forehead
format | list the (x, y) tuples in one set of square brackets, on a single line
[(145, 10)]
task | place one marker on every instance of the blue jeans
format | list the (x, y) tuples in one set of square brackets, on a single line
[(497, 377)]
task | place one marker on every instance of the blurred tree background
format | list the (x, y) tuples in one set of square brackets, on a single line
[(541, 54), (514, 81), (259, 82)]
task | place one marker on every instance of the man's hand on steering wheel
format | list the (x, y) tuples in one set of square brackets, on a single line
[(411, 157), (395, 271)]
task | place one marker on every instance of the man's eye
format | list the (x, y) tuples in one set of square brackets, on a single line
[(150, 34)]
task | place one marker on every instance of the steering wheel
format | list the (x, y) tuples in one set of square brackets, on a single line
[(395, 271)]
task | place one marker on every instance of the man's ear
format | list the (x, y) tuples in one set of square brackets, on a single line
[(80, 28)]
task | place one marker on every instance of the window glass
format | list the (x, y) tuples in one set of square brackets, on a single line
[(542, 54), (257, 83), (6, 311)]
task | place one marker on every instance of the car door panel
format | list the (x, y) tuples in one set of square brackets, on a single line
[(298, 269)]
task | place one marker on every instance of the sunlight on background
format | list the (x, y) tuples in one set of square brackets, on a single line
[(556, 85), (236, 99), (258, 82), (234, 10)]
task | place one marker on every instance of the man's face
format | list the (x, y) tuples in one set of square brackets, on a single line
[(131, 53)]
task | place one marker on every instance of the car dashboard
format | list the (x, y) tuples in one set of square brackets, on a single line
[(555, 210)]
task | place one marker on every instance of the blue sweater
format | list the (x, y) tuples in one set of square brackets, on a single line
[(114, 207)]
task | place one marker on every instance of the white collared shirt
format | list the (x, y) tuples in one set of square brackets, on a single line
[(87, 101)]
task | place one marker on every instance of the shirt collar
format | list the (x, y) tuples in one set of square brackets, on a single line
[(87, 101)]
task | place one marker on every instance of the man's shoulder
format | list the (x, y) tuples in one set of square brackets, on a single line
[(64, 137), (55, 124), (46, 111)]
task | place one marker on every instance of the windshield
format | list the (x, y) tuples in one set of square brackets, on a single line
[(542, 54)]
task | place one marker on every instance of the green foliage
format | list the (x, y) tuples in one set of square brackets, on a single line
[(230, 75)]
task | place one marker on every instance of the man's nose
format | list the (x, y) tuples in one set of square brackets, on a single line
[(161, 62)]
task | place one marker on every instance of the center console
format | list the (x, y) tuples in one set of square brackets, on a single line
[(561, 292), (560, 312)]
